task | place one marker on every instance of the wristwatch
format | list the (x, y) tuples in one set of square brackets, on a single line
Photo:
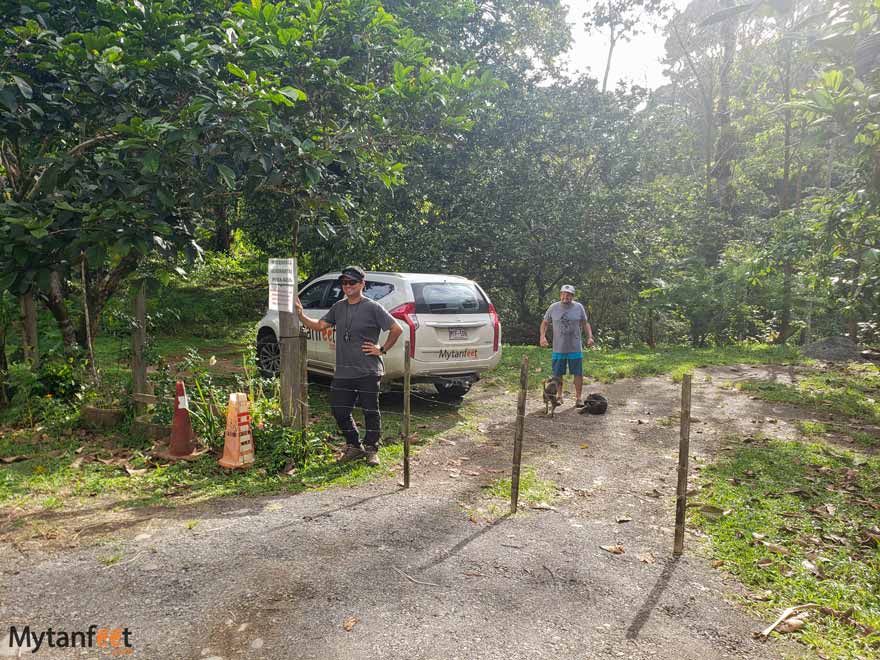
[(382, 350)]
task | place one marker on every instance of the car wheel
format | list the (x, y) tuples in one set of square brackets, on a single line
[(268, 355), (452, 390)]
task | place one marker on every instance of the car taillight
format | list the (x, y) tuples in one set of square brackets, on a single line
[(407, 314), (496, 326)]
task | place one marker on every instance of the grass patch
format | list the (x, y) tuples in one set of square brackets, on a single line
[(109, 560), (813, 429), (849, 392), (606, 365), (800, 527), (51, 477), (532, 489)]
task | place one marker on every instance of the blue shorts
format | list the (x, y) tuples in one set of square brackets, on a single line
[(575, 362)]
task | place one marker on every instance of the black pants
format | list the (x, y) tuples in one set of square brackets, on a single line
[(344, 392)]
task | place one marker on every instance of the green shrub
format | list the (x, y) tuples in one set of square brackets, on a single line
[(282, 447)]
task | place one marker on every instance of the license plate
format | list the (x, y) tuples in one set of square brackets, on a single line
[(457, 333)]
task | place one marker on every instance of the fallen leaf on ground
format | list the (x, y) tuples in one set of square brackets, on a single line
[(647, 557), (759, 597), (830, 508), (613, 549), (810, 566), (350, 623), (711, 512), (718, 563), (839, 540), (14, 459), (134, 471), (778, 549), (585, 446), (757, 536), (654, 493), (790, 626), (764, 562)]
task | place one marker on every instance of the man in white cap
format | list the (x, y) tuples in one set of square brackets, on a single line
[(568, 318)]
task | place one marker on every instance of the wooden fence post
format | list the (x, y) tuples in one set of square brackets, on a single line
[(302, 387), (138, 345), (407, 390), (518, 434), (683, 449), (287, 366)]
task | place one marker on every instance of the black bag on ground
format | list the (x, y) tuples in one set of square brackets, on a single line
[(595, 404)]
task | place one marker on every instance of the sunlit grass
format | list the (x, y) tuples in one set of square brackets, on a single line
[(608, 365), (796, 529)]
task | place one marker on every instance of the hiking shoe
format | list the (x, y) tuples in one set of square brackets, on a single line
[(372, 454), (578, 404), (351, 453)]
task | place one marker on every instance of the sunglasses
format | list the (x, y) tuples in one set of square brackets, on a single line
[(348, 282)]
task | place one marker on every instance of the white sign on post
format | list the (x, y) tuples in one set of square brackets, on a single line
[(282, 284)]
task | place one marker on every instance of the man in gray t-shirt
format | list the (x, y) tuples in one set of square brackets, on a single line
[(359, 368), (568, 319)]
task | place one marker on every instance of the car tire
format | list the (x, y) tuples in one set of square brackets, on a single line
[(451, 391), (268, 355)]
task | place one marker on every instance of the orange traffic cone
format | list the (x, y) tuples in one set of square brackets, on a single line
[(238, 448), (181, 444)]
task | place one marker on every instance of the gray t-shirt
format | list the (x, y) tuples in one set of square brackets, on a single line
[(567, 322), (356, 324)]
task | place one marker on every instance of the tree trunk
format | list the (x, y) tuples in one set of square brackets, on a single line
[(4, 365), (613, 42), (223, 232), (99, 295), (724, 146), (54, 302), (29, 328), (785, 329), (138, 346)]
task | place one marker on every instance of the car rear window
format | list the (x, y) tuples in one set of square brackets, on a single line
[(448, 298), (373, 291)]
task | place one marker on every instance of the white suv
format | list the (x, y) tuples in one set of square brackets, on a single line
[(451, 325)]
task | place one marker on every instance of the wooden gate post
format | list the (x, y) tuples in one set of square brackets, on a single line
[(518, 434), (407, 390), (683, 449), (301, 385)]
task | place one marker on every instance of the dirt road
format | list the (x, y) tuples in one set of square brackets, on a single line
[(436, 571)]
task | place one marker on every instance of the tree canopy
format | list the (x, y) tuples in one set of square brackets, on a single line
[(739, 201)]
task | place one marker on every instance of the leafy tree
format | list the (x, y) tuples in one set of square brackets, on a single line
[(117, 141)]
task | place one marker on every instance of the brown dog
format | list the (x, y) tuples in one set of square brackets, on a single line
[(552, 390)]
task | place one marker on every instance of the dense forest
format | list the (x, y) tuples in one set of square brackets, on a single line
[(737, 202)]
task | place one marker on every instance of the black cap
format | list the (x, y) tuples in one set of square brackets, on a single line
[(354, 273)]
